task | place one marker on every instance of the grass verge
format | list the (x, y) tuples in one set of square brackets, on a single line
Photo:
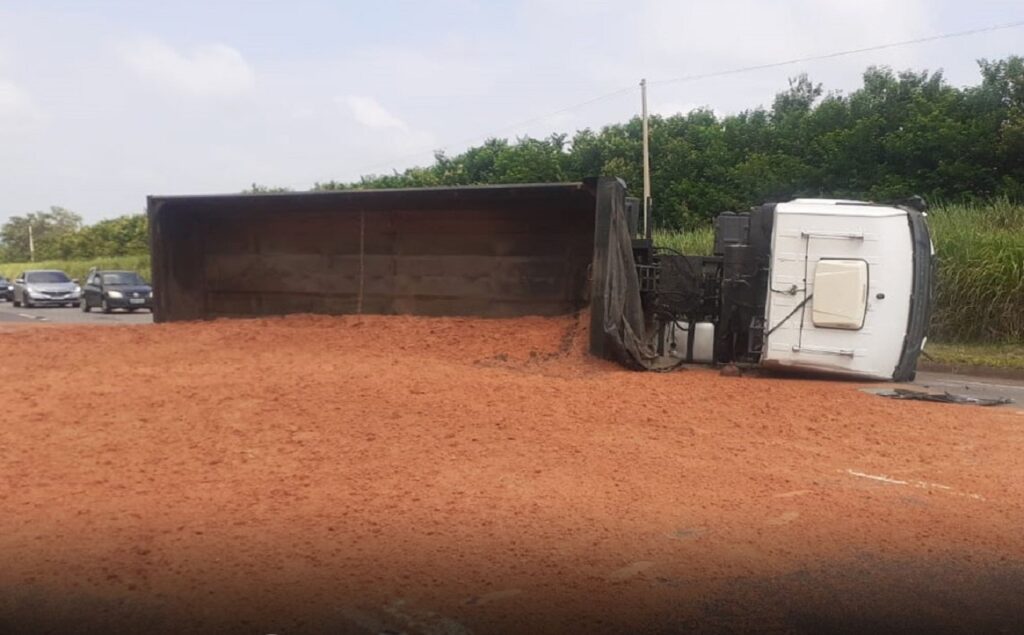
[(1002, 356), (78, 268)]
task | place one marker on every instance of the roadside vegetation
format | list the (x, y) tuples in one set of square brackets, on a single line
[(78, 268), (980, 290), (699, 241), (1004, 356)]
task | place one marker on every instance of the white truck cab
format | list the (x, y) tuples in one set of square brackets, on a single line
[(821, 285), (847, 284)]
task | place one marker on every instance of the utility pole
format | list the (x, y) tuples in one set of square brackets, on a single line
[(647, 161), (31, 244)]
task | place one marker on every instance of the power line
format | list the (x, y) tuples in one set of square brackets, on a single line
[(827, 56), (700, 76), (509, 127)]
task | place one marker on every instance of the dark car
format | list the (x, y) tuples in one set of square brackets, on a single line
[(111, 290), (6, 289)]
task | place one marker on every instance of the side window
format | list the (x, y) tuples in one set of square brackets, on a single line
[(96, 279), (840, 294)]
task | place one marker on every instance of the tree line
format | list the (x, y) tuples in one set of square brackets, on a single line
[(898, 135), (59, 234)]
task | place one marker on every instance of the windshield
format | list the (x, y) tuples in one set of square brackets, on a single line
[(123, 277), (46, 276)]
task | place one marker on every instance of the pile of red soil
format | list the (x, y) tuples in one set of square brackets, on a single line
[(399, 474)]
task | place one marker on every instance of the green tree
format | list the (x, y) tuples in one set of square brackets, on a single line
[(41, 230), (122, 236)]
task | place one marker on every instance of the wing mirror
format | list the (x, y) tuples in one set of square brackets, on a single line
[(20, 280), (75, 281)]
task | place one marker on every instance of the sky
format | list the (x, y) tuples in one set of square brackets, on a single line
[(103, 102)]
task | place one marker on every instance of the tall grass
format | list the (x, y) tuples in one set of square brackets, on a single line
[(78, 268), (695, 242), (980, 278), (980, 289)]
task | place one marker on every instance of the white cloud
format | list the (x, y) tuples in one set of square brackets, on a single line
[(211, 70), (15, 102), (368, 112)]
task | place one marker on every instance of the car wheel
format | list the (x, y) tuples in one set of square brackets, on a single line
[(75, 304), (85, 306), (16, 303), (106, 307), (25, 301)]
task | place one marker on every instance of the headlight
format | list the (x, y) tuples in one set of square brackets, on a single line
[(151, 294), (114, 294), (35, 292), (77, 290)]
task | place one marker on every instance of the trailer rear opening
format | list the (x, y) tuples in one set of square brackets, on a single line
[(486, 251)]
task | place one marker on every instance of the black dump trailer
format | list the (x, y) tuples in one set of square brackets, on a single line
[(489, 251)]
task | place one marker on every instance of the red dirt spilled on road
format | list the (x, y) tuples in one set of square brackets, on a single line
[(365, 474)]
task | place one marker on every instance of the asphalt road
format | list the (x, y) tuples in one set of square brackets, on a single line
[(63, 315), (984, 387)]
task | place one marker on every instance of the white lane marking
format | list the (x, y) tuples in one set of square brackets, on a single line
[(884, 479), (920, 484), (29, 316)]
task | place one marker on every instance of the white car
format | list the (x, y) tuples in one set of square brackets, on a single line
[(46, 287)]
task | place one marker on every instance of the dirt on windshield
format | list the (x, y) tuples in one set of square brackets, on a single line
[(399, 474)]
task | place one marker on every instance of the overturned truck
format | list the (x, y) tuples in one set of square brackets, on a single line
[(826, 285)]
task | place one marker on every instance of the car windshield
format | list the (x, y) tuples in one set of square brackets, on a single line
[(46, 276), (122, 277)]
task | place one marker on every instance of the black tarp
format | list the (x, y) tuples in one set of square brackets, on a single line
[(618, 325), (945, 397)]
